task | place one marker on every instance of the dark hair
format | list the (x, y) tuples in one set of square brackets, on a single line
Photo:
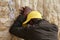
[(34, 21)]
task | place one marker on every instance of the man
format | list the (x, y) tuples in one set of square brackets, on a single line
[(34, 27), (19, 20)]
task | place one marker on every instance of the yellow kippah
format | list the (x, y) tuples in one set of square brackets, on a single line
[(31, 15)]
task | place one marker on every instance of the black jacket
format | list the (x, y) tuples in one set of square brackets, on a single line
[(43, 30)]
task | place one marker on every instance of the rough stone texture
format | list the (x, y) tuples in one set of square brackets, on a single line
[(9, 10)]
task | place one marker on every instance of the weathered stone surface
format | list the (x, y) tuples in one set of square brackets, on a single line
[(2, 27), (9, 10)]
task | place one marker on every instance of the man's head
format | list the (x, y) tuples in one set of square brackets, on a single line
[(33, 15)]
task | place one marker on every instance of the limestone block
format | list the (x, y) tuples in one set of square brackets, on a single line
[(2, 3), (2, 27), (5, 35)]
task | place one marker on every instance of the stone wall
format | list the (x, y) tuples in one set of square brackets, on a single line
[(9, 10)]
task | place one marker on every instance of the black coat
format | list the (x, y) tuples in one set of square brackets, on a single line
[(43, 30)]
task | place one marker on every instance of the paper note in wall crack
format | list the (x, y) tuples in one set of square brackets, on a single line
[(12, 16)]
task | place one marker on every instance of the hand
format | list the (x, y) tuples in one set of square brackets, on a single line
[(25, 10)]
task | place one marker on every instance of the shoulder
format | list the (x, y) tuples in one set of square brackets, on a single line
[(44, 24), (43, 21)]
